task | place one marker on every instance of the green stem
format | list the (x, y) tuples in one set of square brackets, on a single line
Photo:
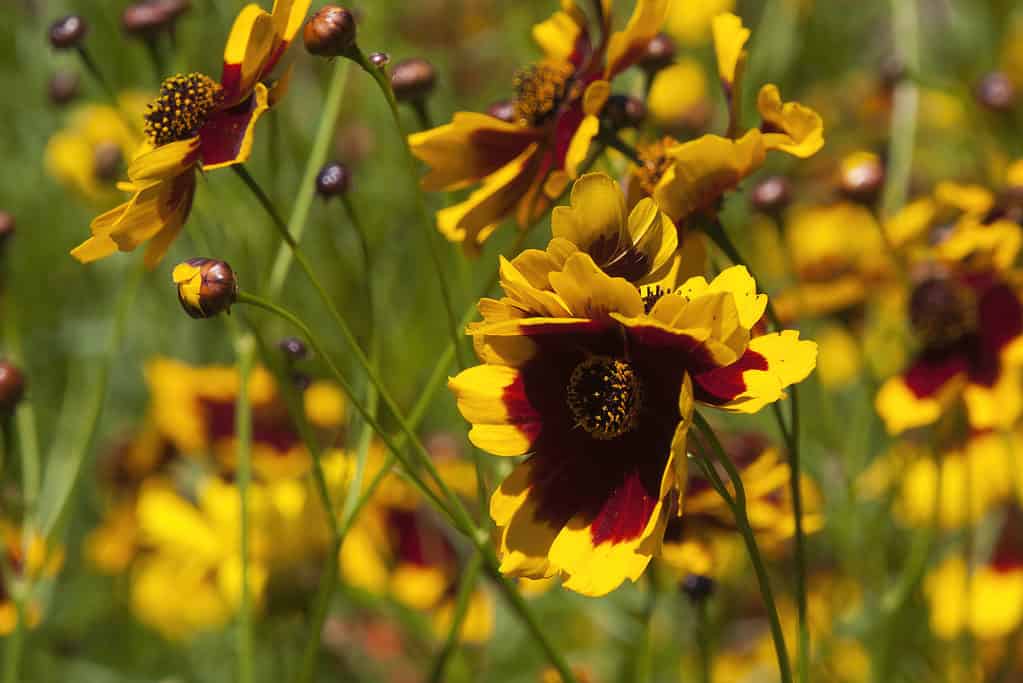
[(307, 189), (93, 68), (716, 231), (24, 417), (244, 351), (738, 504), (360, 407), (426, 220), (63, 467), (469, 576), (703, 640), (13, 647), (905, 100)]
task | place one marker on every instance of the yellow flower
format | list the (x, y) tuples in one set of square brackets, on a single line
[(599, 373), (690, 177), (193, 407), (970, 325), (196, 123), (987, 601), (840, 359), (397, 549), (678, 95), (688, 22), (523, 163), (87, 155)]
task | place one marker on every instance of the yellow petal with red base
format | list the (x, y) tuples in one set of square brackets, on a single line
[(790, 127), (901, 409), (596, 213), (226, 139), (468, 149), (559, 35), (503, 421), (628, 45), (249, 47), (654, 235), (589, 293)]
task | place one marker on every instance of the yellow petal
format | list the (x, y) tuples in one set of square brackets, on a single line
[(248, 48), (558, 35), (730, 37), (800, 130), (579, 147), (626, 46), (596, 214), (589, 293)]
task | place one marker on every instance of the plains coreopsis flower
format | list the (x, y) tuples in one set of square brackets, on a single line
[(600, 396), (196, 123), (691, 176), (522, 163)]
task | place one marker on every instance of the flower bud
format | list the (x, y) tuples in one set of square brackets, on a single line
[(861, 177), (107, 160), (7, 227), (146, 19), (294, 348), (413, 80), (12, 387), (380, 59), (697, 587), (333, 180), (623, 111), (771, 195), (206, 287), (996, 91), (659, 54), (63, 87), (330, 33), (68, 32), (504, 110)]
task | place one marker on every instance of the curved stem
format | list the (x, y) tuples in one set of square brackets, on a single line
[(244, 351), (738, 504), (307, 188)]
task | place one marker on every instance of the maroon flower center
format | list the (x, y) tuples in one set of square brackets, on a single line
[(539, 91), (181, 109), (942, 311), (605, 397)]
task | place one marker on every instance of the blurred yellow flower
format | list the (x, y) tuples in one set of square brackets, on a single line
[(689, 22)]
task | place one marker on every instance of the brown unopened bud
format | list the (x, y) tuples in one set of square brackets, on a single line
[(331, 32), (68, 32), (380, 59), (355, 142), (659, 54), (333, 180), (771, 195), (624, 111), (107, 160), (861, 177), (413, 79), (173, 8), (12, 387), (7, 227), (996, 91), (206, 287), (504, 110), (146, 19), (64, 87)]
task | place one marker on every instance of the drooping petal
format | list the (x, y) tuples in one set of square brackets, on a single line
[(654, 236), (704, 169), (771, 363), (468, 149), (495, 200), (790, 127), (595, 219), (627, 46), (226, 139), (165, 161), (563, 37)]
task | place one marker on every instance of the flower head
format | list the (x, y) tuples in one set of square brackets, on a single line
[(206, 287), (600, 395), (522, 164), (196, 123)]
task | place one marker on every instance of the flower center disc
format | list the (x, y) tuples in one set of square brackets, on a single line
[(539, 89), (181, 108), (942, 311), (655, 163), (605, 397)]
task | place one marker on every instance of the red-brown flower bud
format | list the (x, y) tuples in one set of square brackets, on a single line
[(861, 177), (413, 79), (996, 91), (68, 32), (659, 54), (206, 287), (12, 387), (64, 87), (771, 195), (624, 111), (330, 32), (333, 180)]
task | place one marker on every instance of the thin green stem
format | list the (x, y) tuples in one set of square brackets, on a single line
[(426, 220), (468, 585), (738, 504), (93, 68), (14, 645), (360, 407), (24, 417), (703, 645), (905, 104), (307, 189), (715, 230), (63, 467), (244, 352), (644, 659)]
